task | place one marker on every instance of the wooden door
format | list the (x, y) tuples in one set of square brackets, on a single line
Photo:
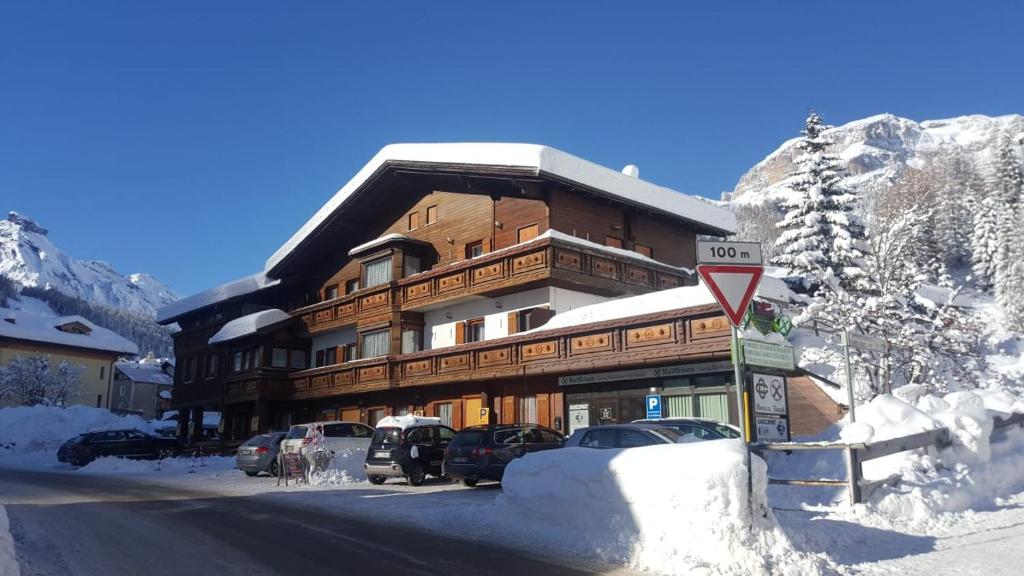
[(350, 414), (473, 407)]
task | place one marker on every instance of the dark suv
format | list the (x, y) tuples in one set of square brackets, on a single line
[(412, 452), (129, 443), (482, 452)]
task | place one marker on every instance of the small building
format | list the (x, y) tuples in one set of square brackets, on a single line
[(143, 387), (65, 338)]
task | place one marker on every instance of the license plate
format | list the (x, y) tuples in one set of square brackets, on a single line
[(383, 454), (460, 460)]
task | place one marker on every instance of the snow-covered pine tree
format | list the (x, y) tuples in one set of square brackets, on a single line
[(822, 238), (1009, 188)]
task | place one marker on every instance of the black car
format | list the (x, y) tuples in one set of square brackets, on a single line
[(482, 452), (128, 443), (412, 452), (699, 428)]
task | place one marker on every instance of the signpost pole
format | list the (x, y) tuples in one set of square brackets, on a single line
[(741, 410), (849, 376)]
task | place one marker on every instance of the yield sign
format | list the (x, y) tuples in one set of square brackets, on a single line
[(732, 286)]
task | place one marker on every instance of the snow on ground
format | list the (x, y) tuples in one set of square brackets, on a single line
[(45, 428), (8, 560)]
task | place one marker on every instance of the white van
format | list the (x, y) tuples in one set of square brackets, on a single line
[(334, 435)]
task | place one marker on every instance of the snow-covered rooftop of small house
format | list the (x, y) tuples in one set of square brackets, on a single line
[(540, 159), (233, 289), (144, 372), (249, 325), (652, 303), (23, 325), (394, 237)]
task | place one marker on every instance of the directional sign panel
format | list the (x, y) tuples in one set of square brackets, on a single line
[(732, 286), (770, 429), (769, 392), (729, 253), (863, 342)]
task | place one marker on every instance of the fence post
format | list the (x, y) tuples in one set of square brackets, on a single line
[(854, 474)]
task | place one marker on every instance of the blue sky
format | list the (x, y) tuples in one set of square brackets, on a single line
[(190, 139)]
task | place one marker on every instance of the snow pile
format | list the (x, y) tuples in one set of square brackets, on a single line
[(37, 428), (346, 468), (8, 561), (167, 466), (674, 508), (407, 421), (979, 466)]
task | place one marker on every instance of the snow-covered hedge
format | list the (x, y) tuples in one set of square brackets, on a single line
[(37, 428), (676, 509)]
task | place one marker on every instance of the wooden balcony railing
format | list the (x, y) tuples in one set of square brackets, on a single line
[(496, 272), (258, 384), (356, 376)]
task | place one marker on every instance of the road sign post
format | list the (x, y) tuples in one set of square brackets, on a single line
[(861, 342)]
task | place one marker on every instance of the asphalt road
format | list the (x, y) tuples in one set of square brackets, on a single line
[(76, 524)]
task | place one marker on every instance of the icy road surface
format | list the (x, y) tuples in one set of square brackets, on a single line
[(66, 523)]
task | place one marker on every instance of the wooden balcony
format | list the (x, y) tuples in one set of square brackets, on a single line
[(257, 384), (690, 335), (547, 260), (198, 393)]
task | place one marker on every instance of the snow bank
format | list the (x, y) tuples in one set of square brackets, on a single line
[(676, 509), (8, 561), (37, 428), (407, 421), (166, 466), (346, 468)]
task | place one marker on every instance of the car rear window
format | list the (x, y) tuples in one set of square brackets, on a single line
[(726, 431), (470, 438), (386, 436), (297, 433), (510, 436), (256, 441), (668, 433)]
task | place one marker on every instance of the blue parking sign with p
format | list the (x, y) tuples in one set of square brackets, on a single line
[(653, 406)]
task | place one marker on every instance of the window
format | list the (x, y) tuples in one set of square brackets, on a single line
[(211, 366), (529, 319), (124, 390), (414, 220), (445, 434), (474, 330), (376, 343), (190, 370), (528, 409), (351, 352), (237, 362), (444, 412), (297, 359), (351, 285), (331, 292), (319, 359), (613, 241), (431, 214), (279, 358), (599, 439), (103, 372), (330, 356), (527, 233), (547, 437), (475, 249), (255, 358), (378, 271), (412, 265), (419, 435), (632, 438), (375, 416), (643, 249), (412, 340)]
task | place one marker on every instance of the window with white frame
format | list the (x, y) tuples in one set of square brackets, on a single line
[(376, 343), (378, 272)]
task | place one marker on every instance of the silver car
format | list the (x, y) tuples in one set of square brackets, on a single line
[(259, 454), (622, 436)]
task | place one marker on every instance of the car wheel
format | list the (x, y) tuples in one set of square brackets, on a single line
[(250, 474), (416, 475), (273, 468), (378, 480), (469, 482)]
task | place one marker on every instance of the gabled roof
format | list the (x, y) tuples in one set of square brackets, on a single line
[(530, 158), (143, 372), (22, 325), (233, 289)]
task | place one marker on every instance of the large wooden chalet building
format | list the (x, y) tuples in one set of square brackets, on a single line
[(428, 285)]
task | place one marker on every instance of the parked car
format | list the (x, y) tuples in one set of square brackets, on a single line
[(259, 454), (622, 436), (407, 446), (334, 435), (127, 443), (482, 452), (699, 428)]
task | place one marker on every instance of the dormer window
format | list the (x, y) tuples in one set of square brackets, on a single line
[(75, 328)]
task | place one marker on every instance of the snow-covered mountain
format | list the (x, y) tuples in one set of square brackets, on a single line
[(29, 258), (877, 150)]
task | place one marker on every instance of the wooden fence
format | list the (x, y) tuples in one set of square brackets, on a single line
[(858, 453)]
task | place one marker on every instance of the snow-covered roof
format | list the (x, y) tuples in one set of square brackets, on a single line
[(233, 289), (23, 325), (165, 394), (407, 421), (533, 157), (249, 325), (394, 237), (620, 252), (144, 372)]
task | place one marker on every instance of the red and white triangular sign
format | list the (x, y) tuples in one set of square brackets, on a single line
[(732, 286)]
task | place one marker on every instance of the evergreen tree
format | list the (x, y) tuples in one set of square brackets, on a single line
[(1009, 274), (822, 238)]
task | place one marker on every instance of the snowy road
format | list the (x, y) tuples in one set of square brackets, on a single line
[(76, 524)]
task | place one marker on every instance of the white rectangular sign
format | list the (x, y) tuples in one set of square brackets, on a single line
[(579, 416), (767, 355), (769, 391), (862, 342), (771, 429), (709, 252)]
